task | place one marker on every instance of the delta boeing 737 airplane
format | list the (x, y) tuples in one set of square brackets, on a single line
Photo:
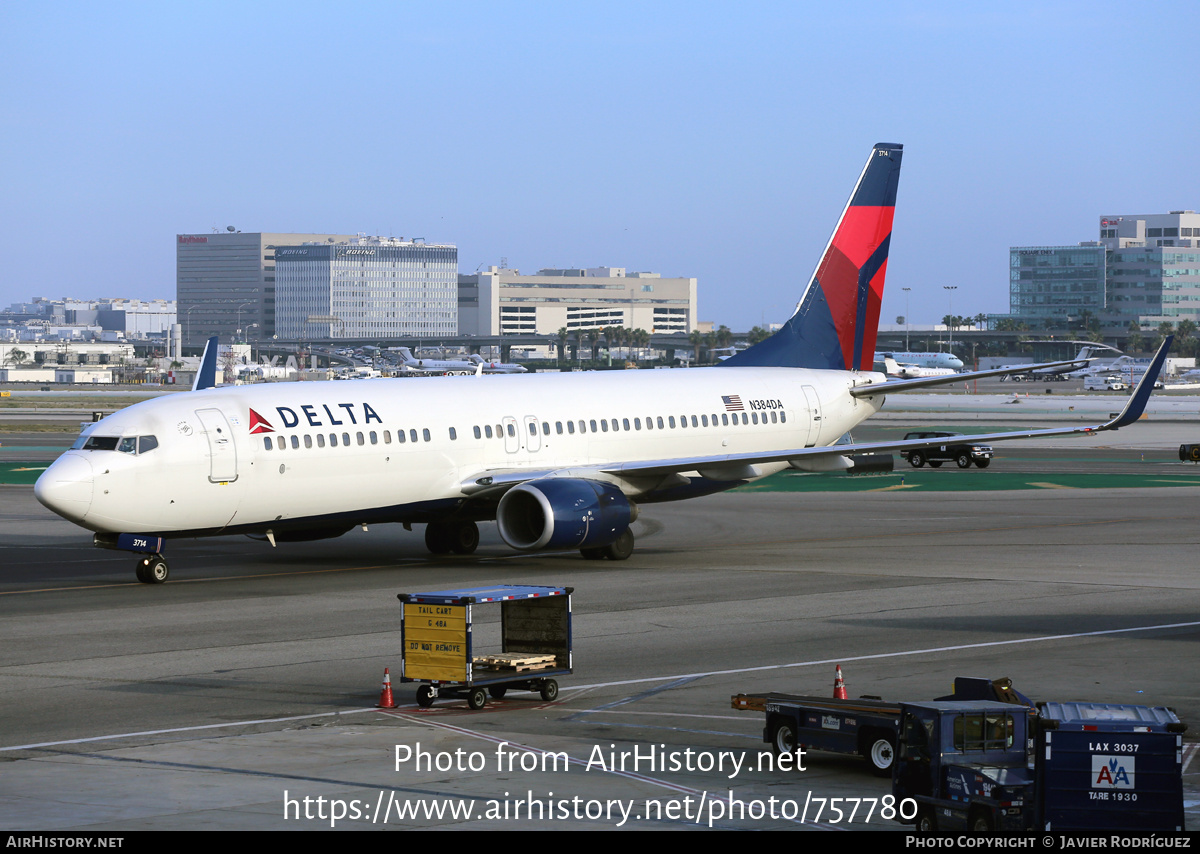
[(560, 461)]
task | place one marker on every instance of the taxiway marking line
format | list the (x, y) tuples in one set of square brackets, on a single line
[(671, 678)]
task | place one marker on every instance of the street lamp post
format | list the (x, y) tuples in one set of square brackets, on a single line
[(950, 289), (906, 322)]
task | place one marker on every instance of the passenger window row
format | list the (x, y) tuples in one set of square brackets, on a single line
[(616, 425), (602, 425), (344, 439)]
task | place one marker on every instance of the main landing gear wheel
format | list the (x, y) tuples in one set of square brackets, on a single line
[(464, 538), (442, 538), (153, 569), (621, 548), (916, 459)]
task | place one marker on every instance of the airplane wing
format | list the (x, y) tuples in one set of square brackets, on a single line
[(738, 466), (872, 389)]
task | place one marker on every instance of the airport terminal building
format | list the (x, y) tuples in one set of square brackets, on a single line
[(501, 301)]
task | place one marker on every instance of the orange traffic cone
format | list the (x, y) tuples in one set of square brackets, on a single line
[(839, 685), (385, 693)]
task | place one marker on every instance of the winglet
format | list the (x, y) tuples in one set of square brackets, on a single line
[(206, 377), (1137, 402)]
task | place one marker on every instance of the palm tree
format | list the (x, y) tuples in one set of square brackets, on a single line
[(562, 343), (1184, 336), (758, 334), (1137, 341), (1164, 329)]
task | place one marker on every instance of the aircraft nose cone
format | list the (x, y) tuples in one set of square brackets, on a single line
[(66, 487)]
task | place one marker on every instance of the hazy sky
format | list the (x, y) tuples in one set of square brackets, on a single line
[(711, 140)]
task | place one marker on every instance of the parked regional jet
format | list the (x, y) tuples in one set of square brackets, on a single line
[(924, 360), (449, 367), (496, 367), (560, 460), (908, 372)]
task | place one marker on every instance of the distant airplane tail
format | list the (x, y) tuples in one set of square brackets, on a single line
[(405, 354), (837, 319), (206, 377)]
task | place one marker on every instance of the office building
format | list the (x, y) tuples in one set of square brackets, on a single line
[(1153, 267), (1144, 269), (225, 283), (501, 301), (366, 288), (1055, 283)]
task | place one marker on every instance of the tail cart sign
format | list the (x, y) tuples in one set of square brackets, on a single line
[(436, 642)]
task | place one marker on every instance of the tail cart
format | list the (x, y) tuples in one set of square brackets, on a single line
[(439, 650)]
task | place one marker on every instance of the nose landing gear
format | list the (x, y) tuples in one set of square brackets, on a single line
[(153, 569)]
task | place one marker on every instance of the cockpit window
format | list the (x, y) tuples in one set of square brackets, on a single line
[(101, 443), (126, 445)]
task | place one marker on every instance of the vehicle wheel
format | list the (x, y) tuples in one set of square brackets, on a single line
[(622, 548), (476, 699), (983, 463), (153, 570), (916, 459), (424, 696), (881, 753), (981, 822), (592, 554), (963, 460), (935, 464), (549, 690), (926, 821), (498, 692), (437, 538), (783, 742), (464, 538)]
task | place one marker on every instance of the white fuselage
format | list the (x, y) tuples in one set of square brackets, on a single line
[(253, 458)]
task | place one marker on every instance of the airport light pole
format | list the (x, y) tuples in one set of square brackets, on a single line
[(906, 322)]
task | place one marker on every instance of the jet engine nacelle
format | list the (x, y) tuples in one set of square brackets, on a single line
[(563, 513)]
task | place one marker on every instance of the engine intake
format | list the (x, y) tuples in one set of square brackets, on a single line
[(563, 513)]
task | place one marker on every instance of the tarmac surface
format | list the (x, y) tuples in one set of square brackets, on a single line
[(241, 693)]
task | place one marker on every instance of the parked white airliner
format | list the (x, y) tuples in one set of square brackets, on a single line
[(560, 461)]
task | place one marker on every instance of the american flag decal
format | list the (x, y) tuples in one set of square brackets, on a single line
[(733, 402)]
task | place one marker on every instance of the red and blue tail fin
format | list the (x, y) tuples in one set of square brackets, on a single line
[(837, 319)]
